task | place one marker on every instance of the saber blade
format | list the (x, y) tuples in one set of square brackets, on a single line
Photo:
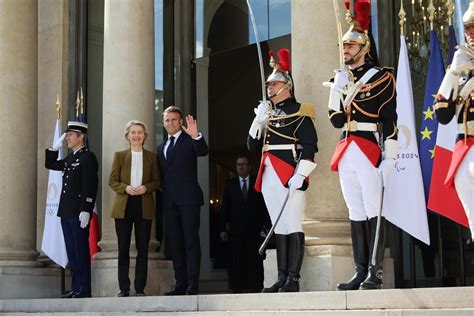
[(259, 50)]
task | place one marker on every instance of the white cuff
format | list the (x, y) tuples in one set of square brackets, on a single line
[(305, 167), (256, 129), (335, 98), (198, 137), (391, 149), (450, 84)]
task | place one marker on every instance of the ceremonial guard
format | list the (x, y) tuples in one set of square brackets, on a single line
[(456, 98), (363, 103), (284, 131), (78, 195)]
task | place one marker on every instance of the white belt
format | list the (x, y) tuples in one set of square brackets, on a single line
[(360, 126), (470, 128), (281, 147)]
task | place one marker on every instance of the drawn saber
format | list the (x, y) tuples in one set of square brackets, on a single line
[(377, 229), (259, 51), (261, 250), (339, 33)]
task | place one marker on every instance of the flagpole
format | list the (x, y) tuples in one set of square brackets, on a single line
[(62, 270)]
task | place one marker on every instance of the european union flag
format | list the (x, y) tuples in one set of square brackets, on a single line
[(429, 124)]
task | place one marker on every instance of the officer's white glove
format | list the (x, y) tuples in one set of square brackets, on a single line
[(386, 166), (262, 112), (461, 62), (84, 219), (295, 182), (59, 142), (341, 79), (471, 169)]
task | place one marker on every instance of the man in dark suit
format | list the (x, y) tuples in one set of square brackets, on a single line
[(243, 216), (79, 191), (182, 197)]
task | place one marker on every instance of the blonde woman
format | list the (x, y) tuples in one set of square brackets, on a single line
[(134, 177)]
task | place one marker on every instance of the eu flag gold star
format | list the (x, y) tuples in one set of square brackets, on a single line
[(428, 114), (432, 151), (426, 133)]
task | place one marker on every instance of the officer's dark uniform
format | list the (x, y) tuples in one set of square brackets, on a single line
[(79, 191), (369, 120), (375, 103), (290, 123)]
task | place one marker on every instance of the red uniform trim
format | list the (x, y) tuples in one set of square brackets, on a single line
[(283, 169), (370, 149), (460, 150)]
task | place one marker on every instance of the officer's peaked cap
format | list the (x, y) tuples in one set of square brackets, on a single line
[(73, 126)]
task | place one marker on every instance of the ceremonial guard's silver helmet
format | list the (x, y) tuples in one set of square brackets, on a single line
[(359, 25), (281, 68), (468, 17)]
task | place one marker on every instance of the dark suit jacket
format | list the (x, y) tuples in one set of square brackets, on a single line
[(246, 218), (179, 181), (120, 178)]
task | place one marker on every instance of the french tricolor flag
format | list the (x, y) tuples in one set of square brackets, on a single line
[(443, 199)]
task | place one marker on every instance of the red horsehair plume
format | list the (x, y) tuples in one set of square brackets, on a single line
[(362, 14), (284, 65)]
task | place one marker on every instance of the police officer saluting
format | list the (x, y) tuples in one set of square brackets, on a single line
[(79, 191), (362, 102)]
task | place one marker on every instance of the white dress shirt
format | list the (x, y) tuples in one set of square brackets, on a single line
[(136, 173)]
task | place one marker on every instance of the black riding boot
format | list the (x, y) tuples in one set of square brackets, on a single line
[(374, 278), (360, 248), (295, 260), (281, 245)]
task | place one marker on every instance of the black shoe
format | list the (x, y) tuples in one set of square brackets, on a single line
[(372, 282), (124, 293), (192, 291), (175, 291), (291, 285), (140, 293), (68, 294), (353, 283), (275, 287), (81, 295)]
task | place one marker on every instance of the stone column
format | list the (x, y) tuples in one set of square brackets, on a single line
[(328, 259), (128, 93), (18, 109)]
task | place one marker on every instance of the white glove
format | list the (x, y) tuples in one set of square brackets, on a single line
[(461, 62), (262, 112), (59, 142), (471, 169), (295, 182), (386, 166), (84, 219), (341, 79)]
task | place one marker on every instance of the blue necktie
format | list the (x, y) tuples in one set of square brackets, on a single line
[(170, 147)]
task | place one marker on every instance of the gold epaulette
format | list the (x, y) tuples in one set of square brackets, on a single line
[(307, 109)]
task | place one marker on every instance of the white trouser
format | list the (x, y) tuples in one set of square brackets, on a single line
[(274, 194), (464, 182), (361, 184)]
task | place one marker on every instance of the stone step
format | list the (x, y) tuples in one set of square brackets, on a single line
[(399, 312), (435, 301)]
